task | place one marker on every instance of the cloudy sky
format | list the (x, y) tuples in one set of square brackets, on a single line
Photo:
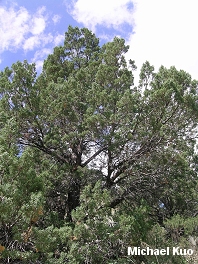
[(164, 32)]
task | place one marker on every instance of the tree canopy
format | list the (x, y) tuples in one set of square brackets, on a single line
[(91, 163)]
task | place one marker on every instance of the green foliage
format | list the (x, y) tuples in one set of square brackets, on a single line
[(90, 164), (102, 234)]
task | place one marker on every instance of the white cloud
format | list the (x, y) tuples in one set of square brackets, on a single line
[(38, 25), (110, 13), (39, 54), (38, 22), (31, 43), (19, 28), (163, 32), (166, 34), (39, 65), (37, 41), (13, 27), (56, 19), (59, 39), (39, 57), (41, 10)]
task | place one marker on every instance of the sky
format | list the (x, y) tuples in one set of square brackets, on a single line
[(164, 32)]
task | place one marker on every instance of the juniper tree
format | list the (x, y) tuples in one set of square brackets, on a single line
[(85, 122)]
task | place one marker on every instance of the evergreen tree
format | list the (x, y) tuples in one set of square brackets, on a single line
[(90, 163)]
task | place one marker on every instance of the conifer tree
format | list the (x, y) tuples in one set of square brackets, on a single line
[(90, 163)]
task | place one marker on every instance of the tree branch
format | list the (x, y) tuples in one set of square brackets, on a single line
[(93, 156)]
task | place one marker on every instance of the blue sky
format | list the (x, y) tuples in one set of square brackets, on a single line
[(164, 32)]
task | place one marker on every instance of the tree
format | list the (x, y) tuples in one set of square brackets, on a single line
[(85, 125)]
